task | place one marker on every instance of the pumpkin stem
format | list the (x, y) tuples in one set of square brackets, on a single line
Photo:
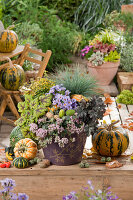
[(21, 149), (10, 62), (10, 27), (112, 124)]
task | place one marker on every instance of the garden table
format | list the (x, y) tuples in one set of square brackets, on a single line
[(14, 53), (55, 181)]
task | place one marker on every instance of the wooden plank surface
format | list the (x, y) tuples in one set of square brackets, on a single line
[(54, 182), (16, 52)]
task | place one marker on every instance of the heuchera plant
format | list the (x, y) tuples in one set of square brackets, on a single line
[(7, 192), (89, 193)]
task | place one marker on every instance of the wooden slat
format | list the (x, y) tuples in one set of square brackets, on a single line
[(11, 105), (44, 63), (24, 53), (3, 107), (114, 114), (33, 60), (18, 98), (107, 117), (130, 108), (7, 120), (123, 112), (5, 92), (37, 52)]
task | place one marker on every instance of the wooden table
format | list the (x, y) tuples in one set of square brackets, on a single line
[(14, 53), (55, 181)]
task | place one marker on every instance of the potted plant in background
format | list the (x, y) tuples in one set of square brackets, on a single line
[(60, 122), (103, 56)]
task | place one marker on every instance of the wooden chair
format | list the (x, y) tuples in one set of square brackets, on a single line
[(7, 95)]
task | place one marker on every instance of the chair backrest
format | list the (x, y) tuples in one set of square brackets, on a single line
[(25, 56)]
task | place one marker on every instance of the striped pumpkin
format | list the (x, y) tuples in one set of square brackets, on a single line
[(26, 148), (8, 41), (20, 162), (110, 140), (12, 76)]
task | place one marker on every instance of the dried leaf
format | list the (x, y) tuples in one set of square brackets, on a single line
[(124, 126), (107, 111), (106, 95), (130, 128), (113, 164), (108, 100), (119, 106), (131, 113)]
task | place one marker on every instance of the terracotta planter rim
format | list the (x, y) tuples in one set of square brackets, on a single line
[(104, 65)]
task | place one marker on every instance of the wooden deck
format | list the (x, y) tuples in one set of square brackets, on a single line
[(54, 182)]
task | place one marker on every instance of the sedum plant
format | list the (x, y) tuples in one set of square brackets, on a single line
[(113, 56), (97, 58), (126, 97), (126, 61), (77, 81)]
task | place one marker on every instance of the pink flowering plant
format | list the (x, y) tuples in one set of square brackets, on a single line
[(7, 193)]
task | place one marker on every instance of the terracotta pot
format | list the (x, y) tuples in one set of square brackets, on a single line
[(68, 155), (105, 73)]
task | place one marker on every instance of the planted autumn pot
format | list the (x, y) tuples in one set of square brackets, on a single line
[(60, 122), (104, 73), (103, 56)]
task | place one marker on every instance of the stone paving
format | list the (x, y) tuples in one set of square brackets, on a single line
[(5, 130)]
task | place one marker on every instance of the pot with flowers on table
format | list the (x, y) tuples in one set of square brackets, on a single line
[(60, 122), (103, 56)]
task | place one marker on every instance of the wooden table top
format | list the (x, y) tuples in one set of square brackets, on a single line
[(16, 52)]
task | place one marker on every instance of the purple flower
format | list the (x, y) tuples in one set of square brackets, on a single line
[(22, 196), (67, 92), (33, 127), (8, 184), (13, 196), (41, 132)]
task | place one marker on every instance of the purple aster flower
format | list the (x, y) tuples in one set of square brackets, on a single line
[(13, 196), (4, 191), (22, 196), (67, 92), (8, 184)]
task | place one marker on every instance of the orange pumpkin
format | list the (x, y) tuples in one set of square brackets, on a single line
[(26, 148), (8, 41)]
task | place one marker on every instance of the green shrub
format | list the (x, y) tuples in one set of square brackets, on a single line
[(29, 33), (126, 61), (91, 13), (65, 8), (60, 37), (77, 81)]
